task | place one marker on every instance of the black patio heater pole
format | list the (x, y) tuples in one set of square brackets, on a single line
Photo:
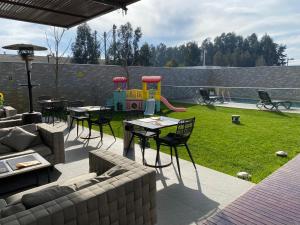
[(29, 85), (26, 51)]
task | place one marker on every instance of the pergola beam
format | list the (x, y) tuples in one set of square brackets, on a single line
[(42, 8), (112, 3)]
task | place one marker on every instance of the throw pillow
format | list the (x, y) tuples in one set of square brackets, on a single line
[(32, 128), (18, 139), (113, 172), (12, 210), (46, 195), (4, 149)]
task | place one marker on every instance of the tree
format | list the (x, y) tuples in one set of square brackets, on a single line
[(171, 63), (136, 40), (192, 54), (54, 42), (145, 55), (86, 48), (127, 47)]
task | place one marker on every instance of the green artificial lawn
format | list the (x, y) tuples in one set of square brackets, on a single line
[(218, 144)]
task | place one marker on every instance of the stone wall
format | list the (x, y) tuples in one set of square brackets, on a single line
[(93, 83), (260, 77)]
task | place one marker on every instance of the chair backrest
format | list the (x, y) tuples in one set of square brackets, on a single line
[(133, 114), (107, 113), (44, 97), (76, 103), (150, 107), (204, 94), (185, 128), (264, 96)]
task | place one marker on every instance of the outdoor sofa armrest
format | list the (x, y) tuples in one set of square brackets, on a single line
[(11, 123), (53, 138)]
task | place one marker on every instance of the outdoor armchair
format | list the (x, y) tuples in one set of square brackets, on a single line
[(208, 99), (267, 103), (178, 139)]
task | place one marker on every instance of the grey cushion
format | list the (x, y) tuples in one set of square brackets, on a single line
[(3, 204), (78, 179), (2, 113), (12, 209), (4, 131), (115, 171), (17, 198), (32, 128), (16, 117), (5, 149), (40, 197), (18, 139), (42, 149)]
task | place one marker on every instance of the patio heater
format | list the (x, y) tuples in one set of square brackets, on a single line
[(26, 51)]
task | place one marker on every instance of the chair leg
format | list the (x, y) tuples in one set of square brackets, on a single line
[(82, 124), (71, 124), (157, 153), (171, 151), (190, 154), (112, 131), (101, 131), (127, 149), (77, 127), (177, 159), (143, 149)]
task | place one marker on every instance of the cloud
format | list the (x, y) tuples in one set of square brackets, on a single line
[(175, 21)]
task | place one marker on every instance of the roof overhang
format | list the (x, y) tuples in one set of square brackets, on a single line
[(60, 13)]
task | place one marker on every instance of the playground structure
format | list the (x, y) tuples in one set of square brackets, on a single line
[(1, 99), (136, 99)]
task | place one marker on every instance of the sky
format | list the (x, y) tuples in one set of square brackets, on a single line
[(176, 22)]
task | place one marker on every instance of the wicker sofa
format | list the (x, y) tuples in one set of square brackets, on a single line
[(51, 146), (126, 199), (9, 117)]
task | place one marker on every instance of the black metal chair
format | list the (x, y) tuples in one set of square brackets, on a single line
[(267, 103), (136, 131), (180, 138), (57, 110), (44, 108), (208, 99), (103, 118), (77, 116)]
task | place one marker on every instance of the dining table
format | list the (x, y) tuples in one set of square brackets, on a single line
[(89, 111), (153, 124)]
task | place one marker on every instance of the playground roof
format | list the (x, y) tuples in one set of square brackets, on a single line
[(57, 12), (120, 79), (151, 79)]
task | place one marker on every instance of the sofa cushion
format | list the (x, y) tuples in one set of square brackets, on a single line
[(78, 179), (32, 128), (2, 113), (15, 117), (5, 149), (12, 209), (115, 171), (40, 197), (18, 139), (4, 131), (17, 198), (42, 149)]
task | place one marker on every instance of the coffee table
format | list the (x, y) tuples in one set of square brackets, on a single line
[(35, 170)]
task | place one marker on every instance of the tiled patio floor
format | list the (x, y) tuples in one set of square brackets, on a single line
[(184, 201)]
